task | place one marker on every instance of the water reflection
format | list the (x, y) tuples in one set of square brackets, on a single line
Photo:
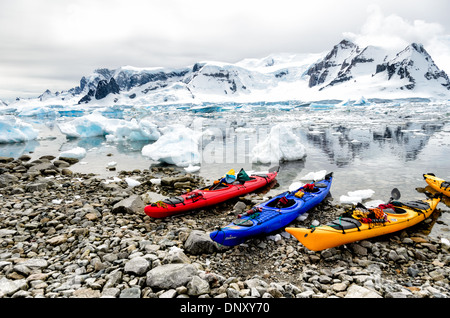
[(15, 150), (342, 145)]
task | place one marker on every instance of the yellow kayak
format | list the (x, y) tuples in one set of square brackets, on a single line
[(362, 223), (437, 184)]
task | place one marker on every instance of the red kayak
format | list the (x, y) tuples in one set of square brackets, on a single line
[(211, 195)]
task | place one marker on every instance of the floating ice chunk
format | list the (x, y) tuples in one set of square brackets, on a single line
[(131, 182), (192, 168), (77, 153), (111, 164), (363, 194), (276, 237), (373, 203), (14, 130), (155, 181), (315, 175), (357, 196), (295, 185), (280, 145), (349, 199), (175, 249), (178, 146), (114, 179)]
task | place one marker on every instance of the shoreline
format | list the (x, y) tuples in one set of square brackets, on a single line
[(73, 235)]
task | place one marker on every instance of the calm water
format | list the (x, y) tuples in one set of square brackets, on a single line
[(372, 147)]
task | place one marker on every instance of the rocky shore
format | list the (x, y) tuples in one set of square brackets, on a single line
[(72, 235)]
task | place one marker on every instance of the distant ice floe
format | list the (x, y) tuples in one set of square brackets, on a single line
[(280, 145), (15, 130)]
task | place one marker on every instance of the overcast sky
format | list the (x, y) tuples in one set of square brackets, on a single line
[(51, 44)]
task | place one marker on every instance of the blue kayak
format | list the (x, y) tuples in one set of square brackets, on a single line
[(274, 214)]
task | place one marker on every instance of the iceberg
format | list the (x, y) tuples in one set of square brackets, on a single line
[(91, 125), (179, 145), (113, 129), (15, 130), (280, 145)]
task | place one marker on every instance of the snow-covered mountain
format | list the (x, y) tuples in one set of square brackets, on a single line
[(347, 71)]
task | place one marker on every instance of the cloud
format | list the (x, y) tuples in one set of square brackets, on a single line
[(52, 44), (394, 33)]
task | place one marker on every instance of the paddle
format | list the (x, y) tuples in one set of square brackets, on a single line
[(395, 194), (275, 168)]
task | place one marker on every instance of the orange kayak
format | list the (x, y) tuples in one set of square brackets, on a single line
[(437, 184), (362, 225)]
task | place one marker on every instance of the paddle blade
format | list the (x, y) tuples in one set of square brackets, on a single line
[(274, 169), (395, 194)]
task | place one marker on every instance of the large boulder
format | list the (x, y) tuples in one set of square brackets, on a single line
[(199, 242), (171, 275), (132, 204)]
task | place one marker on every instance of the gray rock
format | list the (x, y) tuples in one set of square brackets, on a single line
[(232, 293), (6, 232), (239, 207), (69, 160), (356, 291), (43, 168), (133, 292), (35, 263), (36, 186), (7, 179), (113, 279), (9, 287), (199, 242), (413, 270), (137, 266), (197, 286), (170, 275), (110, 292), (133, 204), (171, 293)]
